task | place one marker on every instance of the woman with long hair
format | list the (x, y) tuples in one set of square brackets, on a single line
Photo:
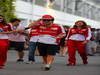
[(77, 38), (4, 43)]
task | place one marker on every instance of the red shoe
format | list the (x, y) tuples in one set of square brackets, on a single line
[(85, 62), (71, 64), (1, 67)]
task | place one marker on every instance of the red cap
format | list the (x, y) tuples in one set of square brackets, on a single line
[(47, 17)]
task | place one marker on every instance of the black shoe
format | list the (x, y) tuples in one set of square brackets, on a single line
[(70, 64), (90, 55), (20, 60), (85, 62)]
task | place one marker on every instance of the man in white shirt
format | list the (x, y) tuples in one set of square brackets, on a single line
[(17, 39)]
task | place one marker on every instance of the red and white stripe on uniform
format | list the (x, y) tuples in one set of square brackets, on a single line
[(48, 35)]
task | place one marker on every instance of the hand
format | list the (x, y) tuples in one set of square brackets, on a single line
[(20, 31), (61, 35), (84, 42), (58, 40)]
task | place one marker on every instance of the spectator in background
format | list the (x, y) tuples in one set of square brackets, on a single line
[(98, 36), (98, 40), (92, 45), (63, 47)]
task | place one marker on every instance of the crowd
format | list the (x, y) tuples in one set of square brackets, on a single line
[(48, 38)]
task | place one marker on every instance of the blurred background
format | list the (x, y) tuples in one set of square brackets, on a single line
[(66, 12)]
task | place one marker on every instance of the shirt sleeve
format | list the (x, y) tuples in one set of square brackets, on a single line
[(62, 29), (89, 34), (68, 33), (9, 28)]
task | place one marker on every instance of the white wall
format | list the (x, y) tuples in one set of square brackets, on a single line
[(63, 18), (27, 11), (23, 9)]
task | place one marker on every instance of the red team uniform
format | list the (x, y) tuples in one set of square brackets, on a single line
[(48, 40), (75, 41), (4, 43), (48, 34)]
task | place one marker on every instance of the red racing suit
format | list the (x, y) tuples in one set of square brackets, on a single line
[(4, 44), (50, 34), (75, 41)]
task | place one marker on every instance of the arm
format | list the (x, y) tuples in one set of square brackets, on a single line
[(34, 24), (23, 32), (8, 32), (62, 32), (68, 34), (89, 34)]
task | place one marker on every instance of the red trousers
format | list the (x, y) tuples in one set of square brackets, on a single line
[(3, 51), (72, 47)]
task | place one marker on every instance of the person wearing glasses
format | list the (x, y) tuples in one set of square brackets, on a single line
[(50, 35)]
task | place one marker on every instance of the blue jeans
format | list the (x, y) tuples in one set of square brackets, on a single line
[(32, 48)]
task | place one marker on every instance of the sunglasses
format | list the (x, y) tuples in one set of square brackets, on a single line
[(48, 20)]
